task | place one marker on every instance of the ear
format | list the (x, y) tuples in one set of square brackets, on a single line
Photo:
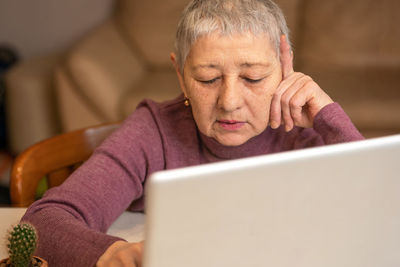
[(178, 73)]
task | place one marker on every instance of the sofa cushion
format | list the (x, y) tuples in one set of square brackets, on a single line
[(75, 111), (150, 26), (156, 85), (30, 102), (103, 68), (350, 33)]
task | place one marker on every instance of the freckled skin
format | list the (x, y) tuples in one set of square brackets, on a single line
[(230, 82)]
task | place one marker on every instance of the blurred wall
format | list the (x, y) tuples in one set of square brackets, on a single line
[(38, 27)]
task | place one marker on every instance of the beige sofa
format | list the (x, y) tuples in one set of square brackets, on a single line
[(351, 48)]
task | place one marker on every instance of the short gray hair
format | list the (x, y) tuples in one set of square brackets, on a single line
[(202, 17)]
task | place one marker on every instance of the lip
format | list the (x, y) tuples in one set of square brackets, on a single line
[(230, 125)]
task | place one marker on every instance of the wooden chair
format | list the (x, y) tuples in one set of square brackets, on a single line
[(54, 158)]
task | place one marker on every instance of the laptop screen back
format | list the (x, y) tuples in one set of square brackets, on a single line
[(336, 205)]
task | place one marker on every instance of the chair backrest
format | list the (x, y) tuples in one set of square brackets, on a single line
[(55, 159)]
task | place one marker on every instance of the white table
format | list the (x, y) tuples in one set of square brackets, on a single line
[(129, 226)]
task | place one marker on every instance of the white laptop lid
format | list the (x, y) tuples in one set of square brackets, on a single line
[(336, 205)]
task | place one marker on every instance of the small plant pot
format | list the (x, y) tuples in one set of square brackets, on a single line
[(36, 262)]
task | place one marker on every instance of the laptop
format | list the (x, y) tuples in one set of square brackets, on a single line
[(337, 205)]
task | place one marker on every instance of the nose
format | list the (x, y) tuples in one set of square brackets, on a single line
[(230, 97)]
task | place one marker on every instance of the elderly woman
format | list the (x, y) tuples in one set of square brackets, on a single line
[(241, 97)]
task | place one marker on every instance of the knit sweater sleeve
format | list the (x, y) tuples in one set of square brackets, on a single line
[(72, 219), (334, 126), (331, 126)]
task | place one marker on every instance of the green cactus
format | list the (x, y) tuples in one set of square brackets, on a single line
[(22, 243)]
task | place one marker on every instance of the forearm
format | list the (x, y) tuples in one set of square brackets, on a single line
[(65, 239), (71, 219)]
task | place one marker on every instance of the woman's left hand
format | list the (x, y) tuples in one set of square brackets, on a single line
[(298, 98), (122, 254)]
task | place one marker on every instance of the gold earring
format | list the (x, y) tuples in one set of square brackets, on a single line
[(186, 102)]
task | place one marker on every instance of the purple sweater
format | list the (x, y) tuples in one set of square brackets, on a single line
[(72, 219)]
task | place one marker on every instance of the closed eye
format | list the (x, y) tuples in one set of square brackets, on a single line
[(209, 81), (252, 80)]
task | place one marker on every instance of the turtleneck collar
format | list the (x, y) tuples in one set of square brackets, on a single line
[(255, 146)]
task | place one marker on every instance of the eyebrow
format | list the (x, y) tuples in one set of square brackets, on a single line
[(205, 66), (258, 64), (246, 65)]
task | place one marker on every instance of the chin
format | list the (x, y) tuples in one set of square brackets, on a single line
[(232, 141)]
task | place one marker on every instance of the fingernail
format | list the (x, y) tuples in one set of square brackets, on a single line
[(288, 128), (274, 125)]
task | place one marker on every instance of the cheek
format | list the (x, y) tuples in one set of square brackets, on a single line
[(198, 95), (262, 108), (261, 100), (267, 90), (192, 90), (274, 82), (277, 79), (270, 88), (198, 98), (202, 105)]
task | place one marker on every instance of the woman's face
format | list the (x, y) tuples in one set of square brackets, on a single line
[(230, 81)]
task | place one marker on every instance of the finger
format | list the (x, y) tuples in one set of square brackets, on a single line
[(276, 109), (139, 253), (286, 57), (299, 105), (287, 101)]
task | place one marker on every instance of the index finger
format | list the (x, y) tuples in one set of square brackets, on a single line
[(286, 57)]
